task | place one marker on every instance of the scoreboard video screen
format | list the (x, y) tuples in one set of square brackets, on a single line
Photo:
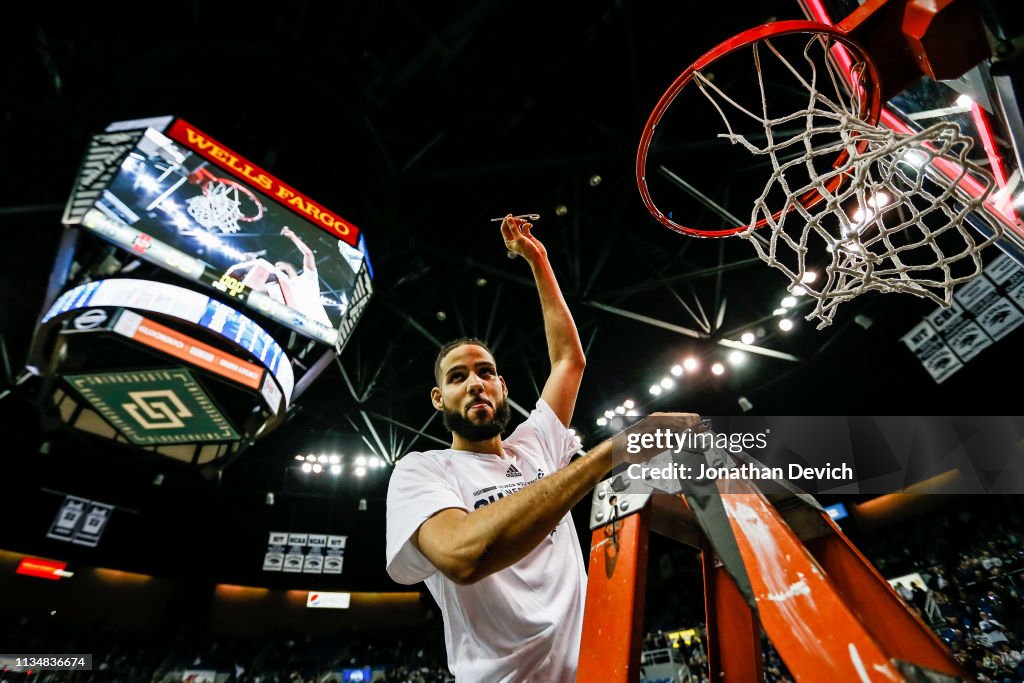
[(185, 202)]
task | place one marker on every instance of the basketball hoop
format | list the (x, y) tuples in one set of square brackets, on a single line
[(844, 195), (219, 207)]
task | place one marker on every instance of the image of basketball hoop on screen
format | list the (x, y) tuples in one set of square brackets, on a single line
[(249, 244), (840, 201)]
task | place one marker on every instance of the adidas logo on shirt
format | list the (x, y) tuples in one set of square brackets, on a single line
[(513, 472)]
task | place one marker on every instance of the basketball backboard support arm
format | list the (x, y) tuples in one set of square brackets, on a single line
[(930, 27)]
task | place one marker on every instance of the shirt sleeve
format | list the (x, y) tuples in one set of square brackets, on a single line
[(418, 489), (557, 441)]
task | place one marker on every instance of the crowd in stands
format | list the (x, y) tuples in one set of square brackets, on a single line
[(121, 657), (969, 557)]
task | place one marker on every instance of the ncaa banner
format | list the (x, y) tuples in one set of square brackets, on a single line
[(294, 559), (314, 561)]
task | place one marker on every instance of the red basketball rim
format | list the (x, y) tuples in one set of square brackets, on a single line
[(871, 96)]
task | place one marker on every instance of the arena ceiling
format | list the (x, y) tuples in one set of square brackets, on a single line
[(419, 124)]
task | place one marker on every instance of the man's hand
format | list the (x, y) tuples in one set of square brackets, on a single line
[(630, 446), (518, 240), (287, 232)]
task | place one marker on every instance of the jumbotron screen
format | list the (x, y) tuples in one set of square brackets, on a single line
[(187, 203)]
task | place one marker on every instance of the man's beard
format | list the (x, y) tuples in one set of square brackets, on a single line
[(457, 423)]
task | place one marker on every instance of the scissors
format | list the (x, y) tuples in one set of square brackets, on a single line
[(527, 216)]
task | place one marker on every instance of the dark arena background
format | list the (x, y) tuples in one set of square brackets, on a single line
[(252, 549)]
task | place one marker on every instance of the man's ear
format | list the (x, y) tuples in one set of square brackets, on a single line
[(504, 389), (435, 398)]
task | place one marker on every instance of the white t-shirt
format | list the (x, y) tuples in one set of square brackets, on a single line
[(520, 624), (305, 295)]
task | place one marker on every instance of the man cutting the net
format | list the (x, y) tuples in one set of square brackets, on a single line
[(486, 523)]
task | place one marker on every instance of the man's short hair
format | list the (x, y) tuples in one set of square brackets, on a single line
[(447, 348)]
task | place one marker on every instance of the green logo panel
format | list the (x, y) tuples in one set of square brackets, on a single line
[(155, 407)]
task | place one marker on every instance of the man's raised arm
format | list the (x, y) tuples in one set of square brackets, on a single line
[(564, 349), (308, 257)]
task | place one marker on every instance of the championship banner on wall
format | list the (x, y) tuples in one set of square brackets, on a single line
[(273, 560), (304, 553), (296, 555), (314, 560), (983, 311), (80, 521), (335, 554)]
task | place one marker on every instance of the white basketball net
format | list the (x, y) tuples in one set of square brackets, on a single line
[(895, 224), (218, 208)]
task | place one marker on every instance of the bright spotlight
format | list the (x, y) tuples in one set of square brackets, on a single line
[(748, 338), (785, 324)]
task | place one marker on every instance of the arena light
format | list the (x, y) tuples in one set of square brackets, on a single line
[(620, 410), (748, 338), (655, 389), (300, 457), (629, 405), (690, 364), (666, 383), (376, 462), (780, 311), (311, 458), (789, 302), (737, 357), (360, 471), (717, 369), (335, 459), (335, 470), (317, 468), (609, 414), (361, 461), (322, 459), (785, 324), (964, 101), (632, 413), (799, 291), (677, 370), (307, 468), (602, 421), (809, 277), (915, 158)]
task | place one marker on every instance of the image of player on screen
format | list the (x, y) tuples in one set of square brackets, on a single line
[(282, 282)]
